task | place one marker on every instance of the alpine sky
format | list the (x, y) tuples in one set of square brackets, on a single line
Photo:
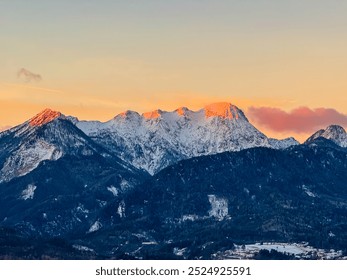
[(282, 62)]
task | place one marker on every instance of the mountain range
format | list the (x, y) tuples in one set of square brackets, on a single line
[(141, 186), (155, 140)]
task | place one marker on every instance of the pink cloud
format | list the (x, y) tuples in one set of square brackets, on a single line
[(299, 120)]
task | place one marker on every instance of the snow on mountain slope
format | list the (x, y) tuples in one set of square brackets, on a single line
[(335, 133), (47, 136), (156, 139), (282, 144)]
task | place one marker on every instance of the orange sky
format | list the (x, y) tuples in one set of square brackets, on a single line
[(99, 60)]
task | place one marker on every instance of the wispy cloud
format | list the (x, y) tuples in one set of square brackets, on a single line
[(33, 88), (299, 120), (28, 76)]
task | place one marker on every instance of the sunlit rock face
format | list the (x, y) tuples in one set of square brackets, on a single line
[(224, 110), (44, 117)]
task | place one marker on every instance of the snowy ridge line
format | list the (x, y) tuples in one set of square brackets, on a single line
[(157, 139)]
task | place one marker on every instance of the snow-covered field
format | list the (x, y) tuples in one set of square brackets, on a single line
[(299, 250)]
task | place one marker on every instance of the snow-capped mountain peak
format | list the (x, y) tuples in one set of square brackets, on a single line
[(335, 133), (44, 117), (47, 136), (335, 130), (182, 111), (224, 110), (127, 114)]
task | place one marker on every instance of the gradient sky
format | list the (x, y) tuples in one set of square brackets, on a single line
[(99, 58)]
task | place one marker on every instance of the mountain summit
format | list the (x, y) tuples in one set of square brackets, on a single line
[(334, 133), (44, 117), (47, 136), (224, 110)]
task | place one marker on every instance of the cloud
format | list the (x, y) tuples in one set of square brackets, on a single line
[(299, 120), (28, 76)]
